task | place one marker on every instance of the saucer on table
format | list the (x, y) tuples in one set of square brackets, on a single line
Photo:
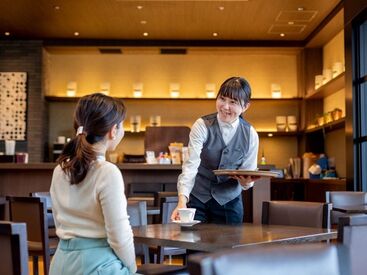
[(186, 224)]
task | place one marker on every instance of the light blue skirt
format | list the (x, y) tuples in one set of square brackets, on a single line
[(84, 256)]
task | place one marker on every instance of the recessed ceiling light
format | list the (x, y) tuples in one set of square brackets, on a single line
[(282, 34), (145, 34), (7, 33), (56, 8), (221, 8), (143, 22), (139, 7), (76, 33), (215, 34), (300, 8), (290, 23)]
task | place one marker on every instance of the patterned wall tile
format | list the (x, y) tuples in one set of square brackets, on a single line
[(13, 105)]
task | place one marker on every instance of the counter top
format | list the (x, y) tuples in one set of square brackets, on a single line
[(122, 166)]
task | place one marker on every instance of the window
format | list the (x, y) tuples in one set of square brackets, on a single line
[(360, 102)]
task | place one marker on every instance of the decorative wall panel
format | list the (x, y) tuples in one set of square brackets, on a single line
[(13, 105)]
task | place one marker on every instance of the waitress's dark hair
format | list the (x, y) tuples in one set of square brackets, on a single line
[(97, 114), (236, 88)]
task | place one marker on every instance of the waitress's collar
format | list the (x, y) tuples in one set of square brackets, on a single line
[(232, 124)]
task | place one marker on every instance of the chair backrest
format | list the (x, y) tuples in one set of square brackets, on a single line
[(160, 198), (296, 213), (47, 196), (166, 211), (352, 232), (137, 210), (157, 139), (14, 250), (33, 212), (344, 198), (164, 196), (300, 259)]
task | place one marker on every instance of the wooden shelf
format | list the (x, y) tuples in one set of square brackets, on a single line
[(334, 125), (128, 132), (75, 99), (329, 88), (279, 134)]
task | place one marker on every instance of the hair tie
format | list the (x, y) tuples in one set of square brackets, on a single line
[(79, 131)]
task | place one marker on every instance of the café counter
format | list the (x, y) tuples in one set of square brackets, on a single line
[(143, 179), (20, 179)]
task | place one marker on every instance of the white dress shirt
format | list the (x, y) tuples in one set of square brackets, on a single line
[(198, 136)]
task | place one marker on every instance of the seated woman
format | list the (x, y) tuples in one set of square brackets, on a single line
[(88, 198)]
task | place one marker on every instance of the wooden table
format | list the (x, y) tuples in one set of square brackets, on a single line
[(211, 237), (351, 209)]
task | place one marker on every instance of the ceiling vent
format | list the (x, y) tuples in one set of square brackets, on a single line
[(173, 51), (110, 51), (287, 29), (296, 16)]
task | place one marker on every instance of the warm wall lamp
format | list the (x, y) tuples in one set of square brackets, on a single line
[(174, 89), (71, 88)]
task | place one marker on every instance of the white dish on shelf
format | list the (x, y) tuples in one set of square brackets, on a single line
[(239, 172), (186, 224)]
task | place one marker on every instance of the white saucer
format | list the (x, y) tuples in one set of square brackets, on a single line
[(186, 224)]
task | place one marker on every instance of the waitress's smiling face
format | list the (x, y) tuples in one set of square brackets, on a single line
[(229, 109)]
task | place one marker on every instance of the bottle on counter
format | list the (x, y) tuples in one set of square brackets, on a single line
[(263, 160)]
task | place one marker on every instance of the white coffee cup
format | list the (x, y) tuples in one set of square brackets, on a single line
[(186, 214), (9, 147)]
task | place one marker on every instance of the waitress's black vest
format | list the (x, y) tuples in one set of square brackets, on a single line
[(216, 155)]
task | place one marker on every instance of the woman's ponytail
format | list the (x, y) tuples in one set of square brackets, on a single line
[(94, 116)]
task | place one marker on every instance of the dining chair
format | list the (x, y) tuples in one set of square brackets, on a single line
[(137, 210), (13, 252), (166, 211), (33, 212), (296, 213), (344, 198), (167, 202), (352, 232), (276, 259), (50, 217)]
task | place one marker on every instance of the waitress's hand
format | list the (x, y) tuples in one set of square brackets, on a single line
[(182, 201), (246, 181)]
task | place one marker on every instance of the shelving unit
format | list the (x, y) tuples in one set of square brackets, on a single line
[(76, 98), (334, 125), (329, 88), (279, 134)]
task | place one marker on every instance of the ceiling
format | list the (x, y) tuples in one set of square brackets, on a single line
[(252, 20)]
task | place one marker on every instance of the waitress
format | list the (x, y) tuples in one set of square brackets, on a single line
[(223, 140)]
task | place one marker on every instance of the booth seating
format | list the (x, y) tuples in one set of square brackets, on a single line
[(296, 213), (275, 259)]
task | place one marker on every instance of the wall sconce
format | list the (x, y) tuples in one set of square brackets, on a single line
[(276, 91), (105, 88), (71, 89), (174, 89), (137, 89), (210, 90)]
